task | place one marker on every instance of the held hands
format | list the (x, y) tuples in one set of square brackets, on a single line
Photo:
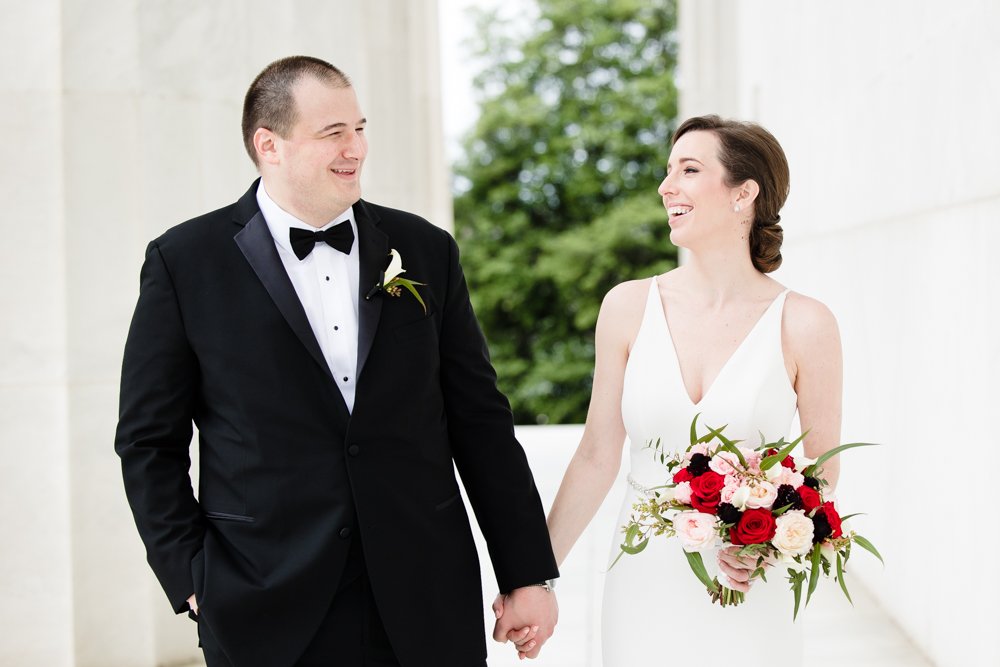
[(738, 570), (193, 603), (526, 617)]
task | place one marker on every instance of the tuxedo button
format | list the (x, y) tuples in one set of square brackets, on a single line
[(345, 533), (353, 450)]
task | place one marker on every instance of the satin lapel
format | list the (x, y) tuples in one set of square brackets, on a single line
[(373, 255), (258, 247)]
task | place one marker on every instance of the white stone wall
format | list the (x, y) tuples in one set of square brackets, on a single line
[(122, 118), (887, 110)]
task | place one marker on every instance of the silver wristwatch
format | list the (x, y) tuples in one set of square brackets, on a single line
[(548, 584)]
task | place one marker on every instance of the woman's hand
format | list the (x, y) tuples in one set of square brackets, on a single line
[(739, 570)]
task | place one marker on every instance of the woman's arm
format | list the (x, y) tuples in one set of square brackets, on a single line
[(811, 340)]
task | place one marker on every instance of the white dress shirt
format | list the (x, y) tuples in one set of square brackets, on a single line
[(326, 282)]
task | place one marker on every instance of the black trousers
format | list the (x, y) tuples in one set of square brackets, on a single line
[(351, 634)]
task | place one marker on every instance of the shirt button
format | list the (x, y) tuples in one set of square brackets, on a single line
[(328, 279), (353, 450), (345, 378), (336, 328), (345, 533)]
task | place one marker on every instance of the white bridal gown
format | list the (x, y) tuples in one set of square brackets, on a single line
[(656, 612)]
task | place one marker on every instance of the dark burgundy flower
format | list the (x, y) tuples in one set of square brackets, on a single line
[(787, 495), (698, 465), (728, 513)]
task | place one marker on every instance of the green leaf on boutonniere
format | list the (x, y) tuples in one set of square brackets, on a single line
[(411, 287)]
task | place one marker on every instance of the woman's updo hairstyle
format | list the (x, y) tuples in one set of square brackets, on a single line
[(749, 152)]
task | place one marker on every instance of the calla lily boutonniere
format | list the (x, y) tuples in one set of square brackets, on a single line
[(393, 284)]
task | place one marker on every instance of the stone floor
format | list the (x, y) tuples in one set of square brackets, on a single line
[(863, 635)]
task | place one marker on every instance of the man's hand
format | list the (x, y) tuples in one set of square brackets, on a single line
[(527, 617), (193, 603)]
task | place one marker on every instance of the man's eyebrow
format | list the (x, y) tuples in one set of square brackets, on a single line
[(336, 126)]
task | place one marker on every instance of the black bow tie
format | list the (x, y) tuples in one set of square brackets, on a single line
[(340, 236)]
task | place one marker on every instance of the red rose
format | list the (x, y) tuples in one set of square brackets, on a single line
[(833, 518), (810, 498), (682, 475), (756, 526), (788, 461), (707, 484), (706, 491)]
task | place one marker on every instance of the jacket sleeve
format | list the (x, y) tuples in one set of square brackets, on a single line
[(489, 458), (159, 387)]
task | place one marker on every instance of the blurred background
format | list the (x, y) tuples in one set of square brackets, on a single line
[(536, 131)]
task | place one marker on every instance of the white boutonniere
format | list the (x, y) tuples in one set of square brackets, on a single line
[(393, 284)]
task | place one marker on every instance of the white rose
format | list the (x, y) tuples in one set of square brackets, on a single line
[(762, 494), (774, 472), (793, 533), (696, 531)]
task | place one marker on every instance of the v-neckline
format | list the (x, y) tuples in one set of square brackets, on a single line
[(655, 288)]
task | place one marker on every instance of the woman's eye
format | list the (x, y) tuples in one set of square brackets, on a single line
[(690, 170)]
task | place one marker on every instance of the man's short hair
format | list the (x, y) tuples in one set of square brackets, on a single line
[(269, 102)]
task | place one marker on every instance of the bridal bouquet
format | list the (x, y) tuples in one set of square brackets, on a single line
[(762, 500)]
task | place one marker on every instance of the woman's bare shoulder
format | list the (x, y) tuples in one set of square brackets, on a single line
[(808, 322)]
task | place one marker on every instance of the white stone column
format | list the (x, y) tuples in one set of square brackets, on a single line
[(122, 118)]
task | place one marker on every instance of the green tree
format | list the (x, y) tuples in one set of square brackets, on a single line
[(556, 193)]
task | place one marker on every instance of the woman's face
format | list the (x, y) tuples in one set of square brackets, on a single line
[(700, 206)]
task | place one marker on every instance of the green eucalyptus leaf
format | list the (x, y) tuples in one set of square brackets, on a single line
[(811, 470), (814, 572), (865, 544), (698, 567), (840, 578)]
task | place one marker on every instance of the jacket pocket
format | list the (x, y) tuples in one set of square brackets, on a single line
[(223, 516), (416, 330)]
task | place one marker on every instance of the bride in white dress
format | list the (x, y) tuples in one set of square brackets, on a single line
[(719, 337)]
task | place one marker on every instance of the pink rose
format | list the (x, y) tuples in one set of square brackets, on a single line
[(725, 463), (696, 531), (788, 476), (682, 492), (700, 448), (762, 494)]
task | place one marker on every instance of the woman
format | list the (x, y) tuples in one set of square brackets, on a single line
[(716, 336)]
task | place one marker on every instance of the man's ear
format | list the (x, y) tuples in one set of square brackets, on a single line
[(265, 142)]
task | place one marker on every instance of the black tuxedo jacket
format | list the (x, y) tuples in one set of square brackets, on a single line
[(287, 476)]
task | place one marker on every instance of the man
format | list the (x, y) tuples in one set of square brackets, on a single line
[(330, 404)]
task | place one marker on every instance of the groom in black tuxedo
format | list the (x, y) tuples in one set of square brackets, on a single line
[(331, 410)]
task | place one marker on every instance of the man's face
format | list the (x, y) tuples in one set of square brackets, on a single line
[(318, 173)]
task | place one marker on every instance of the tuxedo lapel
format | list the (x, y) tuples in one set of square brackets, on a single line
[(258, 247), (373, 249)]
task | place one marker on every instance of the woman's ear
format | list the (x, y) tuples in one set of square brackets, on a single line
[(745, 195)]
